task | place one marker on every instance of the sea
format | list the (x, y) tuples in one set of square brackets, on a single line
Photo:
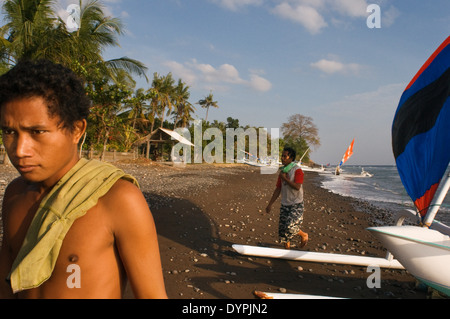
[(384, 189)]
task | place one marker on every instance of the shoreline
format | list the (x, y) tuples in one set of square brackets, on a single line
[(201, 210)]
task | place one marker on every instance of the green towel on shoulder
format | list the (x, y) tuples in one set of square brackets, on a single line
[(77, 191), (288, 167)]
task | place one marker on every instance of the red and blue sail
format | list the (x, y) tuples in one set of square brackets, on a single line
[(348, 153), (421, 129)]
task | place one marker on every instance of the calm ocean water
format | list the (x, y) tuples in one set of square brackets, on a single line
[(384, 189)]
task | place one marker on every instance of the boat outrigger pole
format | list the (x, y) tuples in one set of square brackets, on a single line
[(437, 201), (301, 158)]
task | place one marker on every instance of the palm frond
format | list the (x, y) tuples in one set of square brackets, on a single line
[(127, 64)]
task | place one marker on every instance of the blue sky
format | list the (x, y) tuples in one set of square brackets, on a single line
[(265, 60)]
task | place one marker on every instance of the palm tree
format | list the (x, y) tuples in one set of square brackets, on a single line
[(167, 96), (25, 31), (184, 108), (95, 33), (161, 92), (33, 31), (207, 102), (138, 107), (135, 113)]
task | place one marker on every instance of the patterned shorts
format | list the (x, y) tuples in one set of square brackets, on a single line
[(291, 217)]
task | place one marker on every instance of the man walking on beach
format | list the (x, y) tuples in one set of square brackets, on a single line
[(290, 186), (72, 228)]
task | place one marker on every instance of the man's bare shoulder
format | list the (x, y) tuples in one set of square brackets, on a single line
[(17, 185), (16, 188), (122, 190), (124, 198)]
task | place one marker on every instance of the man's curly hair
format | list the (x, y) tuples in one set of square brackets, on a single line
[(57, 85)]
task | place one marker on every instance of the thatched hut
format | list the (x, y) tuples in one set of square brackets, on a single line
[(156, 140)]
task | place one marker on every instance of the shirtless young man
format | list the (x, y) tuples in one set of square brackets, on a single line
[(43, 110)]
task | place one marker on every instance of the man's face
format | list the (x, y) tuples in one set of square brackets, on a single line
[(285, 159), (37, 145)]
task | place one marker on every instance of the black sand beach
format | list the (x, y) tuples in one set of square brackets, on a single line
[(202, 210)]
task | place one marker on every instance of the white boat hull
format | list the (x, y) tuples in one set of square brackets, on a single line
[(424, 252), (312, 169), (317, 257)]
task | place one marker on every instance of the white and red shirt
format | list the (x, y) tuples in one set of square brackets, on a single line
[(289, 195)]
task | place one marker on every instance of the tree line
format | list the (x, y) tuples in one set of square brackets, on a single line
[(120, 114)]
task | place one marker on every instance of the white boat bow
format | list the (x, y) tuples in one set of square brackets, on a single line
[(424, 252)]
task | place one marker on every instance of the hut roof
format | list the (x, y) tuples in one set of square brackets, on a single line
[(162, 135)]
